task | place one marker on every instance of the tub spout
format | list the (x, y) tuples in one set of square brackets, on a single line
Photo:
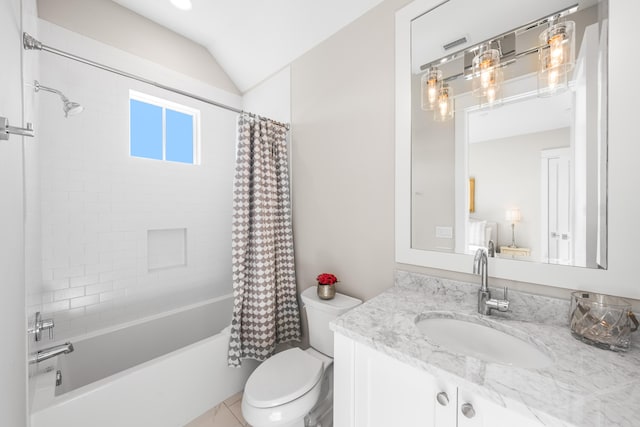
[(50, 352)]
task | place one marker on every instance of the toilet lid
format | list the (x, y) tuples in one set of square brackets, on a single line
[(282, 378)]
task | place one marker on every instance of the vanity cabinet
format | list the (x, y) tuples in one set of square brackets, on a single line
[(372, 389)]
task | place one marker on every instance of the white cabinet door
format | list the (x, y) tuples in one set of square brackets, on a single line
[(372, 389), (485, 413), (391, 393), (343, 381)]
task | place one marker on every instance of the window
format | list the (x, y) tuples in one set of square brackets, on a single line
[(163, 130)]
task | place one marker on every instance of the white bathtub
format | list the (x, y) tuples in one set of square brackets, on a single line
[(162, 371)]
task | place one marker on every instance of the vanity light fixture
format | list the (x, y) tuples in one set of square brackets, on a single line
[(492, 98), (513, 215), (431, 83), (557, 57), (444, 105), (182, 4), (487, 74), (484, 64)]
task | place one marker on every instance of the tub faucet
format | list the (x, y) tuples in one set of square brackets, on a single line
[(485, 302), (50, 352)]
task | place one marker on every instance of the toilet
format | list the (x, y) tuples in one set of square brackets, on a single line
[(295, 383)]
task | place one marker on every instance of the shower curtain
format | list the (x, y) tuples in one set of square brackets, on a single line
[(265, 310)]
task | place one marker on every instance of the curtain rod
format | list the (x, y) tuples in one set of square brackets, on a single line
[(30, 43)]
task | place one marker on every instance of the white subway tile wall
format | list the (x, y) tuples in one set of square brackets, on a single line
[(98, 203), (166, 248)]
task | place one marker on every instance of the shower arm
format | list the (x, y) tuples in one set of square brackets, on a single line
[(39, 87), (67, 106)]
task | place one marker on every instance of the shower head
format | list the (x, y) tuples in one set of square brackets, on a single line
[(70, 108)]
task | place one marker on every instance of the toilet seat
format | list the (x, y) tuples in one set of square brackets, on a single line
[(283, 378)]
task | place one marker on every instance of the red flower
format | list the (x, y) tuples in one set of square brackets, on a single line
[(327, 279)]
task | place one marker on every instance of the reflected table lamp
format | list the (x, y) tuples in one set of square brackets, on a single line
[(513, 216)]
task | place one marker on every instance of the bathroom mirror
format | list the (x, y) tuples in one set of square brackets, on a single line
[(525, 121), (486, 103)]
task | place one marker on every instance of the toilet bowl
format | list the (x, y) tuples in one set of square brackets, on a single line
[(283, 389), (289, 385)]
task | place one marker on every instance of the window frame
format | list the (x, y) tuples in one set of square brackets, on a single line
[(174, 106)]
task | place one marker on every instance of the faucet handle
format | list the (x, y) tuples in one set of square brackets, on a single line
[(503, 305), (39, 325), (49, 325)]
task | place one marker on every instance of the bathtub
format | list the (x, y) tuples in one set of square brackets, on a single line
[(161, 371)]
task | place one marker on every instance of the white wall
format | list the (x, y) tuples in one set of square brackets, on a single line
[(272, 97), (512, 165), (33, 238), (13, 369), (342, 113), (117, 26), (98, 203), (624, 153)]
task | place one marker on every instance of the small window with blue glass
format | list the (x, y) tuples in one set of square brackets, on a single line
[(162, 130)]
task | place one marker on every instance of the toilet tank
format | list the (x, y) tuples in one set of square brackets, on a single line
[(320, 313)]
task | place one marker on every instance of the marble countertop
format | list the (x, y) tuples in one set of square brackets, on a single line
[(585, 386)]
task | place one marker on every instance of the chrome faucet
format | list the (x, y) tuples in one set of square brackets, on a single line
[(485, 302), (50, 352)]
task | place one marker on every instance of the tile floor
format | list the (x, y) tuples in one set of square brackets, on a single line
[(226, 414)]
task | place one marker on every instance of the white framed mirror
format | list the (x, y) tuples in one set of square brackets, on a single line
[(526, 119), (407, 251)]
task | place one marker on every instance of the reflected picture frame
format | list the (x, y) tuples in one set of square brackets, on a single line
[(472, 195)]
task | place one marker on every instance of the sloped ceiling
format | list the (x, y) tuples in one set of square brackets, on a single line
[(253, 39)]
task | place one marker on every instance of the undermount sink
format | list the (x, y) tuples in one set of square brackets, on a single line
[(482, 342)]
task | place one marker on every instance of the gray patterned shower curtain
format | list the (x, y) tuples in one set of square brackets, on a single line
[(265, 310)]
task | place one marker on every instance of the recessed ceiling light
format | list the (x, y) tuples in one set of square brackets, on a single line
[(182, 4)]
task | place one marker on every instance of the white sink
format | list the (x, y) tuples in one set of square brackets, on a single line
[(482, 342)]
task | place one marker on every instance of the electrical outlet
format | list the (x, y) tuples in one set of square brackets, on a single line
[(444, 232)]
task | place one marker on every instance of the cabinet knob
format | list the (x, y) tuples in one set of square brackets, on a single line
[(468, 411), (442, 398)]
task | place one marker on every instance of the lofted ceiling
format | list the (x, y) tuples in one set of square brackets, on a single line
[(253, 39)]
